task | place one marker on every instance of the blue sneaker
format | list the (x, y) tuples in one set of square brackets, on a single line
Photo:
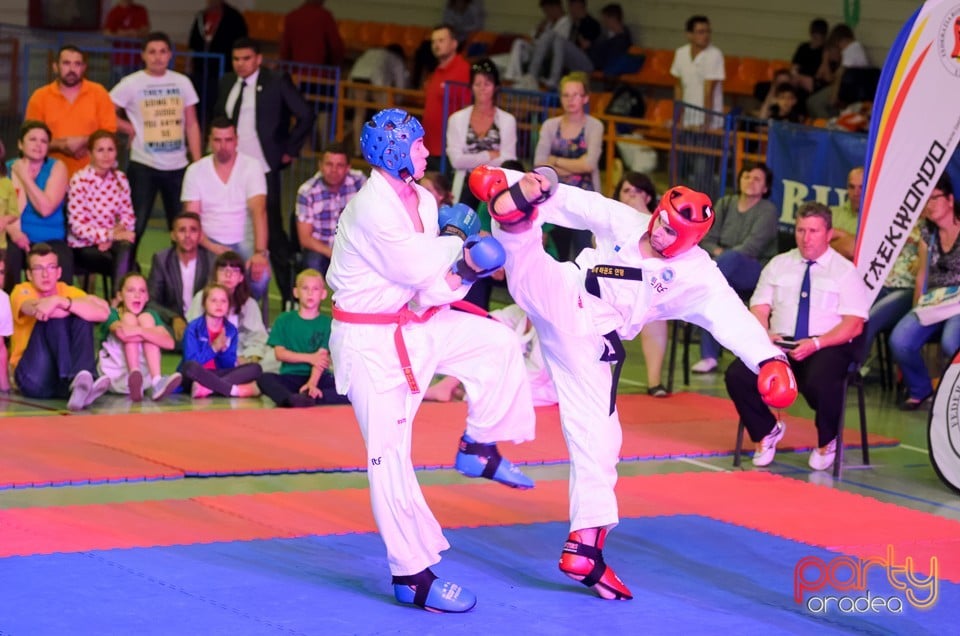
[(432, 594), (484, 460)]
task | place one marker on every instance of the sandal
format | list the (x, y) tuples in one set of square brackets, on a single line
[(658, 391), (914, 404)]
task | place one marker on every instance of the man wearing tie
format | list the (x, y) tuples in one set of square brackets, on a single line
[(813, 303), (261, 103)]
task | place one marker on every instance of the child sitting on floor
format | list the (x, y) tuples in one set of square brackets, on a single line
[(133, 338), (300, 339), (210, 351)]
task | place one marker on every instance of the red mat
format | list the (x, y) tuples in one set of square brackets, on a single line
[(818, 516), (214, 442)]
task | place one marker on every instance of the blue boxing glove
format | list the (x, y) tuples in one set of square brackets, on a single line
[(458, 220), (487, 255)]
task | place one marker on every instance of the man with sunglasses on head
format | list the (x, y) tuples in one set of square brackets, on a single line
[(643, 268), (51, 350)]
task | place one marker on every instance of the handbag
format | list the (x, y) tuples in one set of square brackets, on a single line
[(938, 304)]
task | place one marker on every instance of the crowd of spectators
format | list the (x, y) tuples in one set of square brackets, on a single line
[(67, 209)]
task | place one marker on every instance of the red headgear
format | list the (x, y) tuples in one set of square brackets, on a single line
[(688, 213)]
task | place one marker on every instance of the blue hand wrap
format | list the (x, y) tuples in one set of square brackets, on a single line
[(459, 219)]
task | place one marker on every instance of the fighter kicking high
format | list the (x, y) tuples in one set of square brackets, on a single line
[(643, 268)]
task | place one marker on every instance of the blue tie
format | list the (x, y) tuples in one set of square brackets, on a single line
[(803, 307)]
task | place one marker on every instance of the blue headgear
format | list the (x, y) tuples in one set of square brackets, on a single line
[(386, 141)]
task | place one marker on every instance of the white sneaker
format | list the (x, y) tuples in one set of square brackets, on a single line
[(165, 385), (768, 445), (824, 460), (100, 386), (79, 390), (707, 365), (527, 83)]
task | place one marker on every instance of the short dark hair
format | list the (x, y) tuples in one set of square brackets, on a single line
[(98, 135), (31, 124), (336, 148), (694, 20), (157, 36), (550, 3), (818, 26), (762, 167), (222, 122), (41, 249), (839, 33), (613, 10), (448, 27), (246, 43), (815, 209), (187, 215), (641, 182), (73, 49)]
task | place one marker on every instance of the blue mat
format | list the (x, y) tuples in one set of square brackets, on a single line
[(689, 575)]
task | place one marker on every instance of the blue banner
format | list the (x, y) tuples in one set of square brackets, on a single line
[(811, 164)]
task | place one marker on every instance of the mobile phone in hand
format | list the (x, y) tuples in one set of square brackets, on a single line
[(786, 343)]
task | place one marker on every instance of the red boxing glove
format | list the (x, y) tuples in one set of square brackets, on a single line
[(486, 182), (776, 383)]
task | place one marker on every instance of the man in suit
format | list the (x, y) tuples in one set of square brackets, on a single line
[(214, 30), (260, 102), (178, 273)]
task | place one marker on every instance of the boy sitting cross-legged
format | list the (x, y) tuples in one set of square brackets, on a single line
[(300, 339)]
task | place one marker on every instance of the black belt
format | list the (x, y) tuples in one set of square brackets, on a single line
[(613, 346)]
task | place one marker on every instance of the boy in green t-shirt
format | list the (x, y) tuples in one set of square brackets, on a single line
[(300, 339)]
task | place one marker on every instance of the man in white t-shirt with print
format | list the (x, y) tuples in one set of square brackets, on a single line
[(158, 110), (698, 67), (229, 191)]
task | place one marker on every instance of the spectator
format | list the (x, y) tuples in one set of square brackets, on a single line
[(243, 313), (465, 17), (133, 338), (178, 273), (265, 132), (300, 340), (72, 107), (742, 240), (480, 134), (846, 216), (564, 51), (614, 43), (786, 105), (100, 217), (826, 101), (320, 200), (439, 186), (6, 328), (815, 296), (128, 21), (451, 67), (41, 185), (214, 30), (310, 36), (939, 266), (51, 349), (159, 140), (9, 205), (699, 69), (386, 67), (766, 92), (228, 190), (637, 191), (809, 57), (572, 143), (521, 51), (210, 352)]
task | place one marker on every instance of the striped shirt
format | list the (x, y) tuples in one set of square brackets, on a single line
[(320, 206)]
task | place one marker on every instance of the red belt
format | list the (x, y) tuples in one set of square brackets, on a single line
[(399, 318)]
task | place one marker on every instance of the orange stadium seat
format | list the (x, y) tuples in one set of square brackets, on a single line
[(413, 37), (368, 35), (390, 34), (750, 71), (660, 111), (348, 32), (265, 26), (656, 68)]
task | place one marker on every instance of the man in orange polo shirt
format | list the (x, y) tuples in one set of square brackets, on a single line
[(51, 349), (73, 108)]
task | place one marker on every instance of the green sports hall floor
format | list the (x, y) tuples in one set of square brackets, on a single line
[(901, 474)]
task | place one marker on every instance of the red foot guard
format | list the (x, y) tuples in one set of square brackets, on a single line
[(584, 563)]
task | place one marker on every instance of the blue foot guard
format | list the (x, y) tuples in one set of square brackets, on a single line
[(425, 590), (484, 460)]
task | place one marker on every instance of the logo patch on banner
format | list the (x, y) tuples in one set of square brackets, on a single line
[(944, 431), (948, 41)]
